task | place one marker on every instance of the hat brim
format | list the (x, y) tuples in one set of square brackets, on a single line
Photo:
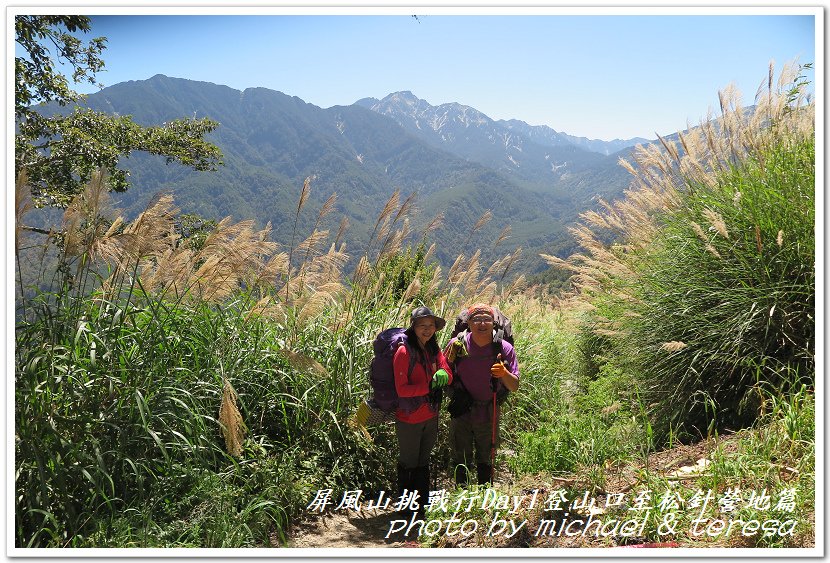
[(439, 322)]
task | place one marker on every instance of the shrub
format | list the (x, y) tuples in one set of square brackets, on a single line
[(706, 289)]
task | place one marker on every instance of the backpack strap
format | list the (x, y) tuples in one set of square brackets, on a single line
[(495, 345), (497, 348), (501, 390), (412, 402), (412, 361)]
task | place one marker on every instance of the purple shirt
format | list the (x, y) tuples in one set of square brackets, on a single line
[(474, 372)]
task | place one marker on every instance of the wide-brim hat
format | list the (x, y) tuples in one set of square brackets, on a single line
[(425, 312)]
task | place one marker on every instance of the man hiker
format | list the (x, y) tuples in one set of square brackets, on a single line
[(485, 369)]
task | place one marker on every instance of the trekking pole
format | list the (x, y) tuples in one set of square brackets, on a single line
[(493, 437)]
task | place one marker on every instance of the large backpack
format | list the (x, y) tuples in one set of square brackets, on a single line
[(381, 371)]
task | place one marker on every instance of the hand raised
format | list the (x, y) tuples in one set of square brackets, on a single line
[(499, 369)]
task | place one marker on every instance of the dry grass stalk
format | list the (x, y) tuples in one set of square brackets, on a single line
[(344, 224), (716, 221), (485, 294), (436, 222), (268, 308), (556, 262), (232, 254), (22, 205), (516, 286), (230, 420), (333, 261), (361, 272), (85, 218), (608, 332), (394, 242), (153, 229), (303, 363), (311, 248), (386, 212), (412, 289), (503, 235), (406, 207), (496, 266), (304, 193), (168, 272), (508, 263), (699, 232), (89, 231), (779, 240), (429, 253), (340, 321), (435, 283), (469, 281), (312, 245), (673, 346), (483, 220), (328, 207), (383, 234), (455, 272), (214, 280), (311, 304), (378, 285), (274, 270)]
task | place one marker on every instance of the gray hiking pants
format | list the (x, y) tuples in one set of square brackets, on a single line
[(415, 442), (466, 435)]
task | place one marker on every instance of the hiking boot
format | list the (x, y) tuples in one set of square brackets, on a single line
[(406, 482), (422, 485), (403, 479), (485, 474)]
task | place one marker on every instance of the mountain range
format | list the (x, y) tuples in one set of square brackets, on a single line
[(459, 161)]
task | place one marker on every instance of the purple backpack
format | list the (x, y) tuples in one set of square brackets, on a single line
[(382, 373)]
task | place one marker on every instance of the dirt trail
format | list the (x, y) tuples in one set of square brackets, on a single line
[(368, 528), (352, 529)]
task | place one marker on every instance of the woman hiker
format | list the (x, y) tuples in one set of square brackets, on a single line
[(416, 422)]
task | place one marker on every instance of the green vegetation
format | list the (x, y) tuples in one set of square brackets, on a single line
[(707, 293), (173, 394), (190, 383)]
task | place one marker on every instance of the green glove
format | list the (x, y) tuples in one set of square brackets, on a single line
[(440, 378)]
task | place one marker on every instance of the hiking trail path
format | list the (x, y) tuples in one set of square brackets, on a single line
[(370, 528)]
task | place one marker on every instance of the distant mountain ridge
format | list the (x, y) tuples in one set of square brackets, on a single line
[(535, 157), (459, 161), (437, 116), (534, 154), (543, 134)]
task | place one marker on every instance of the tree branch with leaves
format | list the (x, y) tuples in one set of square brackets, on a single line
[(60, 153)]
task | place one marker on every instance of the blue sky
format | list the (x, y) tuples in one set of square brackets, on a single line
[(618, 75)]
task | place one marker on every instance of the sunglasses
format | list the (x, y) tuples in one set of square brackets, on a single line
[(481, 320)]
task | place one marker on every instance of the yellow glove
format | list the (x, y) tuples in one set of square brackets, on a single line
[(456, 350), (499, 369)]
